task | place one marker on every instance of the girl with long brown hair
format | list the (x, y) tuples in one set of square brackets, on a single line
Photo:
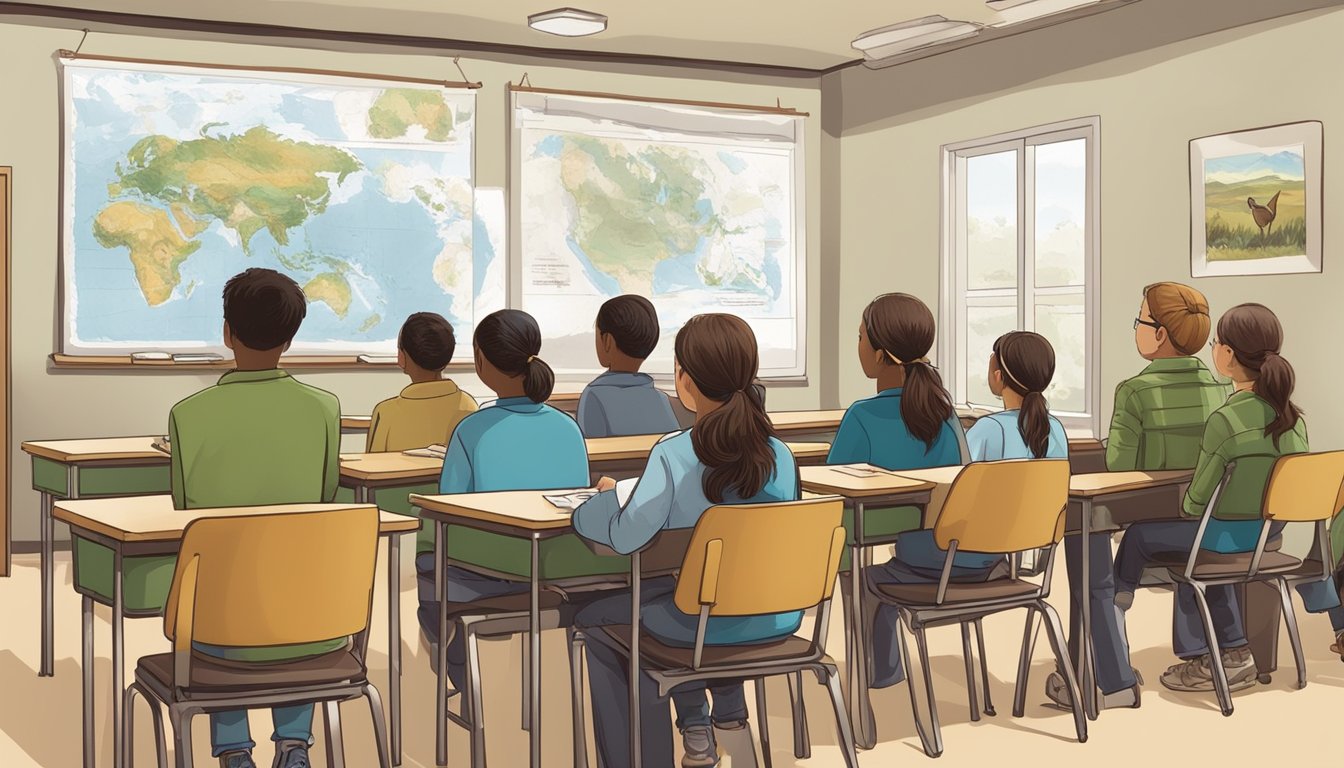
[(1020, 369), (730, 456)]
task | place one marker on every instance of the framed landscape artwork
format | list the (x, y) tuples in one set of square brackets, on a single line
[(1255, 201)]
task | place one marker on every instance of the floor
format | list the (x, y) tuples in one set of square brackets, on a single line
[(40, 717)]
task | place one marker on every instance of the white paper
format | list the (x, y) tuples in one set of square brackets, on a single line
[(432, 452), (570, 501), (862, 471), (623, 490)]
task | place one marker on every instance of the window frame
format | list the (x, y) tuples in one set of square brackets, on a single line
[(953, 271)]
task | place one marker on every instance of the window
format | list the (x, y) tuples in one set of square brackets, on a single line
[(1021, 251)]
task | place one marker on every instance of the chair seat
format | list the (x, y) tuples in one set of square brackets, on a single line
[(516, 603), (210, 675), (958, 592), (1218, 565), (653, 653)]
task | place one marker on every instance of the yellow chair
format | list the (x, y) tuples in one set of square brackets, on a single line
[(262, 581), (1302, 488), (1004, 507), (743, 560)]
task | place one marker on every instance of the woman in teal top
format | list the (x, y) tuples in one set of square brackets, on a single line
[(729, 456), (516, 444), (1258, 424)]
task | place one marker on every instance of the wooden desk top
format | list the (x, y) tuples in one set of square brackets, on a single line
[(389, 466), (1077, 444), (356, 422), (827, 479), (109, 449), (152, 518), (524, 510), (799, 421), (1105, 483)]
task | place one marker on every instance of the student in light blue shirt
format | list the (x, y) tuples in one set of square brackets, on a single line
[(729, 456), (518, 443), (1021, 367), (624, 401), (910, 424)]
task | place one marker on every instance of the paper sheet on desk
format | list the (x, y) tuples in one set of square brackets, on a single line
[(431, 452), (575, 499)]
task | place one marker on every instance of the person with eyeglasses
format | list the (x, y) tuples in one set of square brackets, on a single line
[(1157, 424)]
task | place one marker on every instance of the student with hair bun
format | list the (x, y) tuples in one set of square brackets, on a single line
[(519, 443)]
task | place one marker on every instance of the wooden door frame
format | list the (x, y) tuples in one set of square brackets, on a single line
[(6, 243)]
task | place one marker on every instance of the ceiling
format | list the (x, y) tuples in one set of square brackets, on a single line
[(799, 34)]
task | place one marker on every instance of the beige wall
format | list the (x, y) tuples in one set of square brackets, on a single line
[(1151, 104), (51, 404)]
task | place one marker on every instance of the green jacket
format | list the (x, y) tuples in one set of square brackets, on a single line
[(1236, 432), (256, 438), (1159, 416)]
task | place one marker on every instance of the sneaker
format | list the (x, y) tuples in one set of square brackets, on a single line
[(698, 743), (291, 753), (1124, 600), (1196, 676), (431, 652), (1062, 696), (1338, 647), (237, 759)]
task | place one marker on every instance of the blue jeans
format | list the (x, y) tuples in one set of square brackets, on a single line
[(229, 731), (608, 676), (463, 587), (1113, 669)]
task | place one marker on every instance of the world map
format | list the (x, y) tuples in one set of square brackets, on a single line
[(177, 179), (694, 226)]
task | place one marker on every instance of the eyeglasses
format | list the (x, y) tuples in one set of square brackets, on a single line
[(1213, 343), (1149, 323)]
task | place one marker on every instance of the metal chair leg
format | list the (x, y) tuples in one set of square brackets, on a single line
[(1220, 686), (932, 748), (1024, 664), (1294, 637), (841, 719), (580, 738), (335, 741), (762, 718), (984, 667), (1055, 631), (968, 659), (802, 743), (379, 725), (181, 723), (160, 745), (527, 682), (128, 726), (473, 707)]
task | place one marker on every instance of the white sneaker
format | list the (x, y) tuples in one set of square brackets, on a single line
[(1061, 695), (698, 743)]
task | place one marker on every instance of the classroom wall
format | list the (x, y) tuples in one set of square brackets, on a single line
[(51, 404), (1151, 104)]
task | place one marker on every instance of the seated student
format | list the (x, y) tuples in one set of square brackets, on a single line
[(1157, 424), (910, 424), (516, 444), (428, 409), (729, 456), (1022, 366), (258, 437), (624, 401), (1258, 423)]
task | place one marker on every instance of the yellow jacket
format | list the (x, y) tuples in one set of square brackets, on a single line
[(422, 415)]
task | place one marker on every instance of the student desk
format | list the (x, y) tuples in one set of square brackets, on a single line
[(82, 469), (351, 425), (624, 457), (149, 525), (878, 509), (807, 424)]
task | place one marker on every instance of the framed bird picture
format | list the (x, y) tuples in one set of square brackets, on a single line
[(1256, 201)]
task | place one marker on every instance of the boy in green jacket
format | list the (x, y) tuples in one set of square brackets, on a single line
[(258, 437)]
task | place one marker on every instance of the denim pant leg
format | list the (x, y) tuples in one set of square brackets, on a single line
[(229, 732), (608, 681), (1110, 647), (463, 587)]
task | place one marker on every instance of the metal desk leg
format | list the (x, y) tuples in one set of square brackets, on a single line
[(394, 643), (86, 670), (636, 743), (118, 657), (441, 650), (534, 654), (1085, 662), (865, 726), (46, 667)]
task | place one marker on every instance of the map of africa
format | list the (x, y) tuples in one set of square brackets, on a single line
[(695, 226), (177, 179)]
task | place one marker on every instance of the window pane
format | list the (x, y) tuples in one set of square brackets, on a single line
[(991, 220), (983, 326), (1060, 320), (1061, 203)]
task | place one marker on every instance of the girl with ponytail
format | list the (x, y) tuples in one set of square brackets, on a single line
[(519, 443), (1258, 424), (730, 456), (1020, 369)]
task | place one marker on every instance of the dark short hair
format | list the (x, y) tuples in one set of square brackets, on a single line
[(632, 322), (428, 340), (263, 308)]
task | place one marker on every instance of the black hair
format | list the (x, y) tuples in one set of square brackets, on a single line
[(632, 323), (263, 308), (428, 340), (511, 341)]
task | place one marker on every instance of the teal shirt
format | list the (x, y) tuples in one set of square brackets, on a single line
[(670, 495), (873, 432)]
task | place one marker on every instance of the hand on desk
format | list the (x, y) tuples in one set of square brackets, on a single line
[(605, 484)]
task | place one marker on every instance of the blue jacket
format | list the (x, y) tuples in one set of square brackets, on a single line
[(616, 404)]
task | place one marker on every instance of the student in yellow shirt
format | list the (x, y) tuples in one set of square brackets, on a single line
[(426, 411)]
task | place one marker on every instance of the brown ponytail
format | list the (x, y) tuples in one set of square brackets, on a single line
[(902, 326), (1027, 362), (1255, 336), (511, 341), (718, 352)]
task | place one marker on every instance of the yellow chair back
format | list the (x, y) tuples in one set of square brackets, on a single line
[(1001, 507), (1305, 487)]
